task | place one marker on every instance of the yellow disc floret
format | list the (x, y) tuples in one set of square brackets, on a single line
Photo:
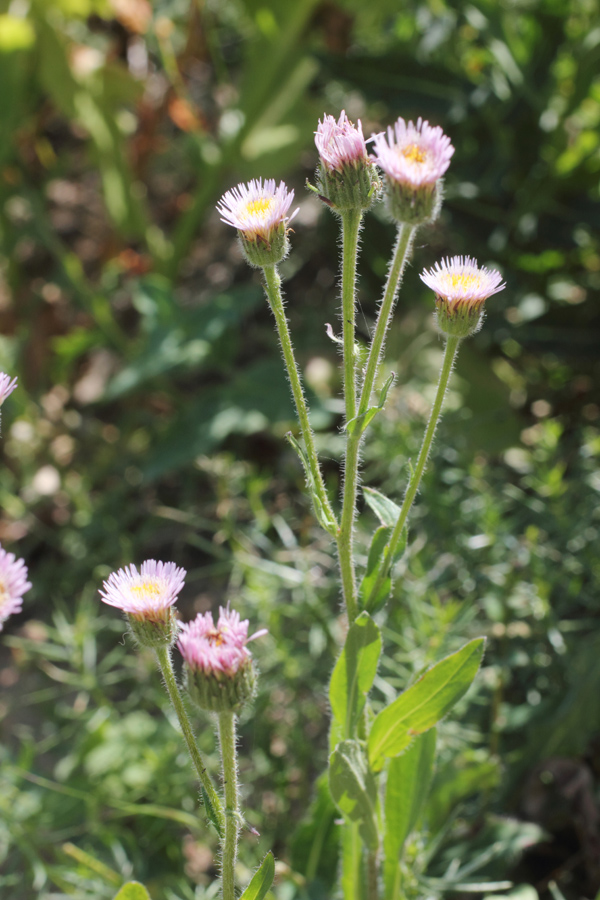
[(259, 208), (147, 589), (413, 153)]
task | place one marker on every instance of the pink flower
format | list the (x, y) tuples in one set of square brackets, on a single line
[(416, 155), (257, 210), (216, 650), (13, 584), (6, 386), (340, 143), (459, 281), (146, 595)]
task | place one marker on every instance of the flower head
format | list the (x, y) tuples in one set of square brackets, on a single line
[(340, 143), (414, 158), (413, 154), (220, 674), (147, 597), (13, 584), (6, 386), (259, 211), (461, 289), (346, 177)]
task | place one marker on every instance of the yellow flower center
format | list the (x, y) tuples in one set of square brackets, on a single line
[(413, 153), (461, 281), (3, 594), (147, 589), (260, 207), (215, 637)]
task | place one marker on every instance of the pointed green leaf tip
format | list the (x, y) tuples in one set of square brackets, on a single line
[(133, 890), (423, 704), (262, 879)]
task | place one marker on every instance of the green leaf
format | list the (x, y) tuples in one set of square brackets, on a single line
[(354, 672), (210, 811), (385, 509), (322, 517), (371, 601), (362, 422), (133, 890), (353, 789), (262, 879), (423, 704), (408, 780)]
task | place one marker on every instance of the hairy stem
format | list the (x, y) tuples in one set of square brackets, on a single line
[(230, 841), (163, 656), (413, 486), (384, 316), (345, 536), (273, 289), (351, 220)]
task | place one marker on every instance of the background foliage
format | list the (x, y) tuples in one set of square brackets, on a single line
[(152, 408)]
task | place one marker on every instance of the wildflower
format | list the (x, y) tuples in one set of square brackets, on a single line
[(461, 289), (220, 672), (13, 584), (346, 177), (259, 212), (414, 159), (147, 598), (6, 386)]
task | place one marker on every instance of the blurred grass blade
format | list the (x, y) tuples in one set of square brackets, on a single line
[(421, 706), (95, 865)]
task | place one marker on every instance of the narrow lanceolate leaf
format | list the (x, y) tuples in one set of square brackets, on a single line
[(262, 879), (354, 672), (133, 890), (385, 509), (353, 789), (423, 704), (408, 781)]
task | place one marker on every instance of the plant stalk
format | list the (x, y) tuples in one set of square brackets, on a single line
[(384, 316), (163, 656), (450, 352), (273, 290), (230, 841)]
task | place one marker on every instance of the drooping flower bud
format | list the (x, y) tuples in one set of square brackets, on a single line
[(346, 177), (6, 386), (13, 584), (220, 674), (461, 288), (414, 159), (147, 598), (259, 212)]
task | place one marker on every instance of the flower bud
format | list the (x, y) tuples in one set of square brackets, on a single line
[(219, 671), (461, 289), (414, 158), (346, 177), (259, 212), (147, 597)]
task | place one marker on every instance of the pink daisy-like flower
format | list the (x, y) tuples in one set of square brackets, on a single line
[(415, 155), (340, 143), (146, 595), (459, 280), (13, 584), (216, 649), (6, 386), (257, 209)]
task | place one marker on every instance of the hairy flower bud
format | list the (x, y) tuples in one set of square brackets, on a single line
[(259, 212), (414, 158), (346, 177), (461, 289), (220, 674)]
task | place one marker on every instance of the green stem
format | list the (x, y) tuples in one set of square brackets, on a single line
[(227, 741), (351, 220), (399, 258), (273, 289), (345, 539), (372, 875), (413, 486), (163, 655)]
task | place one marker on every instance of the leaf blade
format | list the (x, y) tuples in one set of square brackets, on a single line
[(261, 881), (354, 672), (353, 789)]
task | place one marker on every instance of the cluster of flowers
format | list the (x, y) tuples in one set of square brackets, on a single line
[(413, 159), (219, 670)]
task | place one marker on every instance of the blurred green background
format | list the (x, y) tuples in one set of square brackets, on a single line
[(152, 407)]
